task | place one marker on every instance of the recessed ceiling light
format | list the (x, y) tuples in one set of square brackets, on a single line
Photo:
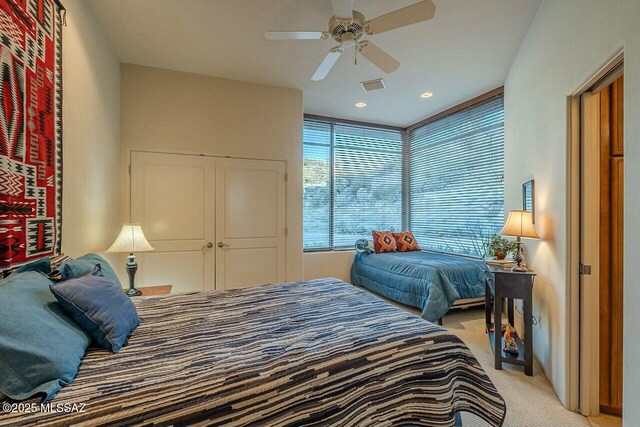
[(426, 95), (361, 104)]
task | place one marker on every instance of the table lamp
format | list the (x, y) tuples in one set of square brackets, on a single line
[(519, 224), (131, 239)]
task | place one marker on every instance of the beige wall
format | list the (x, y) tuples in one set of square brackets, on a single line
[(178, 112), (569, 41), (328, 264), (91, 133)]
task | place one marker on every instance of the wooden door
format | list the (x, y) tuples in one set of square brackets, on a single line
[(611, 246), (250, 222), (172, 197), (589, 250)]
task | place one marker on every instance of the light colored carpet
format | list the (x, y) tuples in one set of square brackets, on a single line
[(531, 402)]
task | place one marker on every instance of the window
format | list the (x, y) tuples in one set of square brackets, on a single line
[(317, 185), (352, 183), (445, 179), (456, 186)]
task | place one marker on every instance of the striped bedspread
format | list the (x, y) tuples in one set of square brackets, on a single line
[(320, 353)]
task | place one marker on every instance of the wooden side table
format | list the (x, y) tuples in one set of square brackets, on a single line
[(155, 290), (511, 285)]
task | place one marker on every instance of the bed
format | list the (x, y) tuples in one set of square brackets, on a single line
[(430, 281), (319, 352)]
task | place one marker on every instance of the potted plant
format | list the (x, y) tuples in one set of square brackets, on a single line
[(499, 247)]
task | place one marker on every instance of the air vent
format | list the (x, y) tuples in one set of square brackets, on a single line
[(372, 85)]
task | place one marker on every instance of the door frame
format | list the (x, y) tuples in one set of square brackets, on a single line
[(582, 366)]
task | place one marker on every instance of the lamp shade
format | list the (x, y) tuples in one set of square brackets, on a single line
[(519, 224), (131, 239)]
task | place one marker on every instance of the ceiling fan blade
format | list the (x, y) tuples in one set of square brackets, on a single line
[(418, 12), (327, 64), (295, 35), (378, 57), (342, 8)]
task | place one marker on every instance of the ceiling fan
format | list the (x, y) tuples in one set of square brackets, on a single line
[(349, 27)]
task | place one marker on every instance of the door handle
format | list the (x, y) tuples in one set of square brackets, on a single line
[(585, 270), (207, 246), (222, 245)]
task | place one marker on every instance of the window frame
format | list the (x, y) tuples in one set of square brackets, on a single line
[(333, 122)]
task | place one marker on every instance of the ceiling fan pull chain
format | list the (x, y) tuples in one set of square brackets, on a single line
[(355, 56)]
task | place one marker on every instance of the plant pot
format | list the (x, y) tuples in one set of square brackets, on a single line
[(500, 255)]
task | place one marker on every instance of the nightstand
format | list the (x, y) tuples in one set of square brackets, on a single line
[(155, 290), (511, 285)]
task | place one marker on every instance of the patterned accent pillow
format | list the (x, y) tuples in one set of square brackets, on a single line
[(406, 242), (383, 241)]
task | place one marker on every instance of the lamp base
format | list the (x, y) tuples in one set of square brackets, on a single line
[(519, 268), (133, 292), (132, 267)]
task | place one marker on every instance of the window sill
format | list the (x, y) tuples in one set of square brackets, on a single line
[(313, 251)]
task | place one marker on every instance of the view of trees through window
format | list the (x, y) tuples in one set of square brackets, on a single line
[(453, 185), (317, 185), (352, 183)]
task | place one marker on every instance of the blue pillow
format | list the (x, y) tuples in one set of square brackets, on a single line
[(362, 247), (84, 265), (41, 347), (42, 265), (100, 307)]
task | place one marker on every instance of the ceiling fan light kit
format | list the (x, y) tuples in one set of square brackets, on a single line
[(348, 27)]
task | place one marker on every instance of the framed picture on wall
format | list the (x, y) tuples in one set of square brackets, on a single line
[(529, 199)]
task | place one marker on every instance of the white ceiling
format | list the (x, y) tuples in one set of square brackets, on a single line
[(466, 50)]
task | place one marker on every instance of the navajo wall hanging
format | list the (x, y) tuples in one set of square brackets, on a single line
[(30, 130)]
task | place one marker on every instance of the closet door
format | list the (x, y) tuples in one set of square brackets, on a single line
[(250, 222), (172, 197)]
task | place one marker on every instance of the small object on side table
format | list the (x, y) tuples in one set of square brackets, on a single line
[(505, 264), (511, 285), (131, 239), (510, 344)]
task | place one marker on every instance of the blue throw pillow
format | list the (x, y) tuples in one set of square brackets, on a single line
[(42, 265), (100, 307), (84, 265), (362, 247), (41, 347)]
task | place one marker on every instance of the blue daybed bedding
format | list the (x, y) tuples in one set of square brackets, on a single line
[(429, 281)]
